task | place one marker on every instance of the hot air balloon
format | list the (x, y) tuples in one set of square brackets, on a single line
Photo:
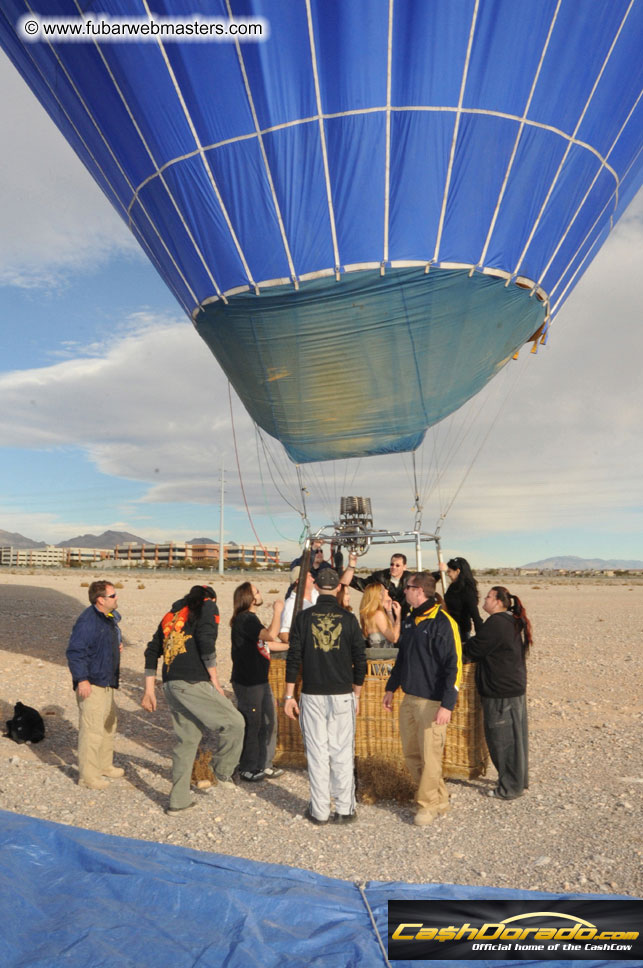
[(368, 211)]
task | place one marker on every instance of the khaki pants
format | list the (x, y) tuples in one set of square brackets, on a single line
[(423, 745), (96, 731)]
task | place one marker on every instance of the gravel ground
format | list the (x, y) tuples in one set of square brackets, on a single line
[(578, 829)]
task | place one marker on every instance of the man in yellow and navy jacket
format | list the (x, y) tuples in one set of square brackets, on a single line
[(429, 669)]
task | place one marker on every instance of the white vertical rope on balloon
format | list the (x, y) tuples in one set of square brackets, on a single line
[(202, 155), (601, 169), (387, 161), (521, 128), (154, 162), (456, 128), (579, 269), (114, 159), (262, 148), (559, 170), (322, 136)]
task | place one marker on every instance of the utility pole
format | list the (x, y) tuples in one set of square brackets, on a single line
[(221, 545)]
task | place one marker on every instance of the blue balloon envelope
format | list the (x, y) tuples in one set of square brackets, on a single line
[(369, 210)]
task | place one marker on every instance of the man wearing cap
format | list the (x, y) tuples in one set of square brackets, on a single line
[(428, 667), (327, 643)]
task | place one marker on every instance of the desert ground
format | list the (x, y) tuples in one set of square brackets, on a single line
[(578, 829)]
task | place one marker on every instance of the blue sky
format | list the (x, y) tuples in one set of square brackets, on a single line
[(114, 414)]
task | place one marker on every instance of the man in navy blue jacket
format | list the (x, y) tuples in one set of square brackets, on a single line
[(93, 656), (428, 668)]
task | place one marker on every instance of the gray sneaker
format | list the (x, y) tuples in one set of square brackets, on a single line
[(226, 783)]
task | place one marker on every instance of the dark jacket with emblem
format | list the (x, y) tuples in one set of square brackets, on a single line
[(327, 643), (197, 644), (93, 653), (429, 660)]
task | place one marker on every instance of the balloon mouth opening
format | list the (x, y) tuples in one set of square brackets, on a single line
[(365, 366)]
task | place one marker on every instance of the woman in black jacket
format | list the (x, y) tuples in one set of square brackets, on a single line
[(500, 649), (461, 598)]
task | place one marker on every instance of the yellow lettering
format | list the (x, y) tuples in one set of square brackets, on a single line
[(426, 934), (398, 936), (482, 935), (585, 934)]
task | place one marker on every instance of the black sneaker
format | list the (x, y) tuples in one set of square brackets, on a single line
[(308, 815), (344, 817), (252, 776), (272, 772)]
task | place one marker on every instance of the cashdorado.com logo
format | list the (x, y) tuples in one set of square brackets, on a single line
[(476, 929)]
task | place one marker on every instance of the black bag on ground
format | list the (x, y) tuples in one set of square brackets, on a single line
[(27, 725)]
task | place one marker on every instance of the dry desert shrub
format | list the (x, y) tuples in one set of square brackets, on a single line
[(380, 779), (202, 772)]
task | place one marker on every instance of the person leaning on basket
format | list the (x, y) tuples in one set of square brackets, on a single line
[(327, 642), (429, 669)]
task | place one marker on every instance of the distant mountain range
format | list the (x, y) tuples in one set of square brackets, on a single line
[(19, 540), (108, 539), (572, 563)]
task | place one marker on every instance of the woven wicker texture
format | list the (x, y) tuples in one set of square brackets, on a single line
[(377, 737)]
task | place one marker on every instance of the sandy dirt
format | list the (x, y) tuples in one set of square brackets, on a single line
[(577, 829)]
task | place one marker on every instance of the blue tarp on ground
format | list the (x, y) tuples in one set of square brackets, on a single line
[(83, 899)]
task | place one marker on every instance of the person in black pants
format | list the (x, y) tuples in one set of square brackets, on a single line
[(252, 644), (500, 649)]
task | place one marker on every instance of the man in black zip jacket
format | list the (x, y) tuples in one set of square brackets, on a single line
[(326, 641)]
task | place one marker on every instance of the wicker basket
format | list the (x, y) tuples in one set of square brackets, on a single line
[(377, 737)]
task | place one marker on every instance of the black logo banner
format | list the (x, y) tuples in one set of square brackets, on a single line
[(547, 929)]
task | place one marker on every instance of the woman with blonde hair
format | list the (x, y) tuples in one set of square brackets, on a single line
[(379, 617)]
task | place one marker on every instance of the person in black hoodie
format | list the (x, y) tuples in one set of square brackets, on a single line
[(186, 639), (461, 597), (500, 649)]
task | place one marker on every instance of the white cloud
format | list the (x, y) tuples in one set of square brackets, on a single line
[(151, 405), (55, 219)]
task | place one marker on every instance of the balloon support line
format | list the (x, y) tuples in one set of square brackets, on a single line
[(243, 492)]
